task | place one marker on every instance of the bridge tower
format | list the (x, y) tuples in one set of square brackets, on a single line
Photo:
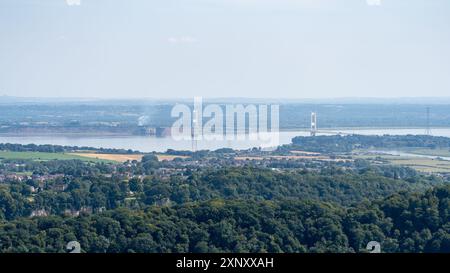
[(313, 123), (194, 130), (428, 130)]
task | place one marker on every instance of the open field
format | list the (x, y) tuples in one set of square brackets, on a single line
[(289, 157), (305, 153), (91, 157), (422, 164), (420, 159), (170, 157), (424, 151), (39, 156), (125, 157), (111, 157), (278, 157)]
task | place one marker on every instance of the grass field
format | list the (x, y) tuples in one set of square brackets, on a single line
[(279, 157), (90, 157), (418, 163), (290, 157), (39, 156), (423, 164), (170, 157), (425, 151)]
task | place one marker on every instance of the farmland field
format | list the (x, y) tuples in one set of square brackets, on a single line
[(424, 151), (110, 157), (124, 157), (170, 157), (421, 164), (91, 157), (40, 156)]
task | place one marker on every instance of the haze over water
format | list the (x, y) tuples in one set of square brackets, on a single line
[(150, 144)]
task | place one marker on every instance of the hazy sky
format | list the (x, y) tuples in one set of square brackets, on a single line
[(224, 48)]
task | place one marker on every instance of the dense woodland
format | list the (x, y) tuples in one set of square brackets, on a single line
[(86, 186), (401, 223), (345, 144), (139, 207)]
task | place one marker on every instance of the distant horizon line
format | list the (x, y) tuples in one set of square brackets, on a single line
[(222, 98)]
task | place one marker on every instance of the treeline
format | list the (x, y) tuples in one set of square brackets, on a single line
[(401, 223), (344, 144), (46, 148), (71, 167)]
